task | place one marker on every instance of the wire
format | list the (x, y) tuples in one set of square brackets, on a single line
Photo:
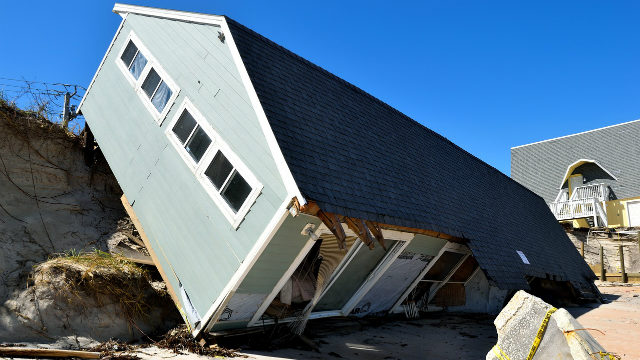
[(42, 82)]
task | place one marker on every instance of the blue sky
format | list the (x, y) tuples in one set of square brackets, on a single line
[(488, 75)]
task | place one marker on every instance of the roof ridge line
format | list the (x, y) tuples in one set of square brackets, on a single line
[(578, 133), (358, 89)]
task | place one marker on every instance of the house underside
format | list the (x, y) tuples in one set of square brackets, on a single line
[(353, 267)]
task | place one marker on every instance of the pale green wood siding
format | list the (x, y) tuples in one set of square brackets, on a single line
[(185, 226), (278, 256), (427, 245)]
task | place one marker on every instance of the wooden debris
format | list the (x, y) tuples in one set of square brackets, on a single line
[(360, 228), (36, 352), (377, 232), (332, 221)]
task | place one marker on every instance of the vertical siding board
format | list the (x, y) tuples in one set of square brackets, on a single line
[(220, 111), (177, 213), (277, 257)]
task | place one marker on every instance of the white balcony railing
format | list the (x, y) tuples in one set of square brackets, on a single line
[(585, 202), (573, 209), (597, 191)]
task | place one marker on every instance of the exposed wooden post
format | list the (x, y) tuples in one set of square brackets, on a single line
[(582, 248), (377, 232), (360, 228), (603, 274), (622, 271), (66, 113), (332, 221)]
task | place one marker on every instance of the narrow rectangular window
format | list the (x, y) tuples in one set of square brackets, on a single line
[(133, 59), (150, 84), (191, 136), (233, 188), (157, 90)]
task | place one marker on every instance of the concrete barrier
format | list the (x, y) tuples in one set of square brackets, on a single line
[(520, 323)]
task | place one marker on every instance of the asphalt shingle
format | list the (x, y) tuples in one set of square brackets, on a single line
[(357, 156)]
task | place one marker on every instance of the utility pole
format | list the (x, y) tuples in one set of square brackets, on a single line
[(67, 111), (66, 114)]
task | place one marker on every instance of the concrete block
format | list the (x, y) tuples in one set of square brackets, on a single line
[(518, 324)]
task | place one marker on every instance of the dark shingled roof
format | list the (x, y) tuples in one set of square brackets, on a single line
[(357, 156)]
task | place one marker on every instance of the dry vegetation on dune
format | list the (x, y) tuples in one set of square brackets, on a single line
[(100, 276)]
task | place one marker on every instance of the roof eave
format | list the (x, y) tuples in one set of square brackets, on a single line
[(123, 9)]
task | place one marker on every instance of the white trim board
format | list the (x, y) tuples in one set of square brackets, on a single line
[(104, 58), (285, 277), (580, 133), (154, 64), (626, 205), (449, 246), (283, 168), (584, 161), (123, 9), (198, 169), (375, 275), (211, 316)]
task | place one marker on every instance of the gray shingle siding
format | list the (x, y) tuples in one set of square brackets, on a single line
[(357, 156), (541, 166)]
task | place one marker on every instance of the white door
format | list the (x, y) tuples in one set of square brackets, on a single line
[(633, 208)]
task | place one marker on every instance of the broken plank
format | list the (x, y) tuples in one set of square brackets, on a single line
[(377, 232), (360, 228), (332, 221), (36, 352)]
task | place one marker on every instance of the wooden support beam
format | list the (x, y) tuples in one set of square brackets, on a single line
[(622, 269), (431, 233), (332, 221), (603, 274), (377, 232), (25, 352), (312, 208), (359, 227), (152, 253)]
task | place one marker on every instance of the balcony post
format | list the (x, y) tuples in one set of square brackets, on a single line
[(603, 274)]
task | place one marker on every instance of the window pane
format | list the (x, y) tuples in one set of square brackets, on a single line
[(219, 170), (129, 53), (184, 126), (138, 65), (236, 192), (198, 144), (151, 82), (161, 97)]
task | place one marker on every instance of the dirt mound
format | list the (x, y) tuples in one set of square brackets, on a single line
[(52, 202), (99, 278)]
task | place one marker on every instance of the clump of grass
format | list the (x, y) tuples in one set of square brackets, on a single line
[(100, 276)]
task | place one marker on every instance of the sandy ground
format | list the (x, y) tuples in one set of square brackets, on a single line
[(465, 337), (441, 336), (618, 321), (446, 336)]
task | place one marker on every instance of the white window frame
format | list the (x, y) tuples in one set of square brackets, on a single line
[(137, 84), (217, 144)]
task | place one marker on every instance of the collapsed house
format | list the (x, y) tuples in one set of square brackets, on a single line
[(270, 190), (589, 179)]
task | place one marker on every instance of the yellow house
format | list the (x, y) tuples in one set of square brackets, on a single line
[(589, 179)]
